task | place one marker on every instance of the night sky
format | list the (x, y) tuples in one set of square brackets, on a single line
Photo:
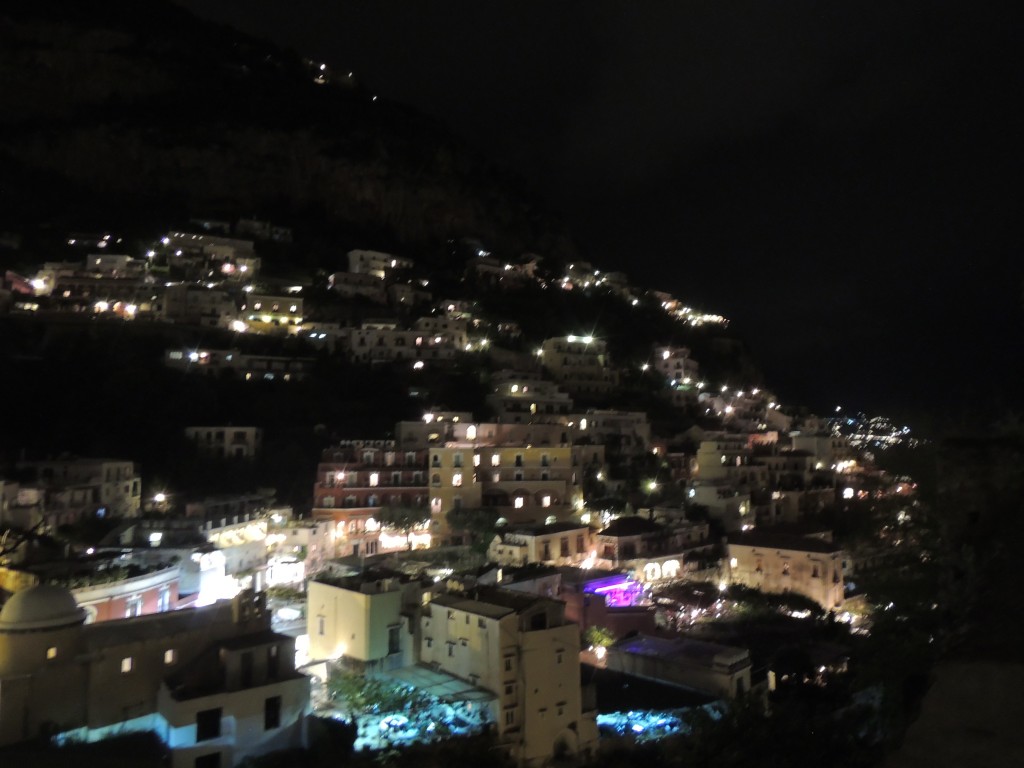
[(841, 179)]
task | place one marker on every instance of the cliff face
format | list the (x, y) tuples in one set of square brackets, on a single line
[(111, 108)]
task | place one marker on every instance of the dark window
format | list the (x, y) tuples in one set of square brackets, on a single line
[(246, 680), (208, 724), (393, 640), (272, 713), (208, 761)]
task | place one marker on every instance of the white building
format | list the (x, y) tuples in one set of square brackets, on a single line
[(553, 544), (88, 485), (676, 365), (215, 684), (521, 398), (523, 650), (579, 364)]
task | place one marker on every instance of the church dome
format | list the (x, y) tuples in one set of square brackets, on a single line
[(41, 607)]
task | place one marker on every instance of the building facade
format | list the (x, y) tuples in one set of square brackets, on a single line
[(776, 562), (522, 649)]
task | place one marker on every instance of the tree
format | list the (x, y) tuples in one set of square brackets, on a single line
[(598, 637), (478, 522), (403, 519)]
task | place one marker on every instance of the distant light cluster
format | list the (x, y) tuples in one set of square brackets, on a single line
[(863, 431)]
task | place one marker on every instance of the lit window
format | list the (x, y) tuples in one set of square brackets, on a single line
[(170, 656), (471, 432), (51, 652), (457, 479), (495, 460), (126, 665), (374, 479), (733, 562), (545, 501), (519, 502), (476, 460)]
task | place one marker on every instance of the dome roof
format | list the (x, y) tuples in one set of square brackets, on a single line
[(43, 606)]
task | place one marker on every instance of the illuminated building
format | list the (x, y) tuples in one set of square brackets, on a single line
[(361, 619), (355, 479), (633, 541), (248, 367), (553, 544), (579, 364), (429, 339), (526, 398), (68, 489), (265, 313), (616, 602), (106, 587), (676, 365), (208, 681), (523, 650), (376, 263), (776, 562), (522, 484)]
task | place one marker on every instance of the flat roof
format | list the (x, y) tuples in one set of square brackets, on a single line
[(682, 649), (440, 684), (117, 632), (491, 602), (542, 530), (773, 540)]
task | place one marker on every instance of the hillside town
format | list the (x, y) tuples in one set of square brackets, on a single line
[(561, 564)]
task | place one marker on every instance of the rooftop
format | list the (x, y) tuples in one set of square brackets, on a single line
[(491, 602), (544, 530), (790, 541), (682, 649), (631, 526)]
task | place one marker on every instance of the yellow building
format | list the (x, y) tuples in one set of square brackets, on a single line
[(523, 484), (778, 562), (360, 620)]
